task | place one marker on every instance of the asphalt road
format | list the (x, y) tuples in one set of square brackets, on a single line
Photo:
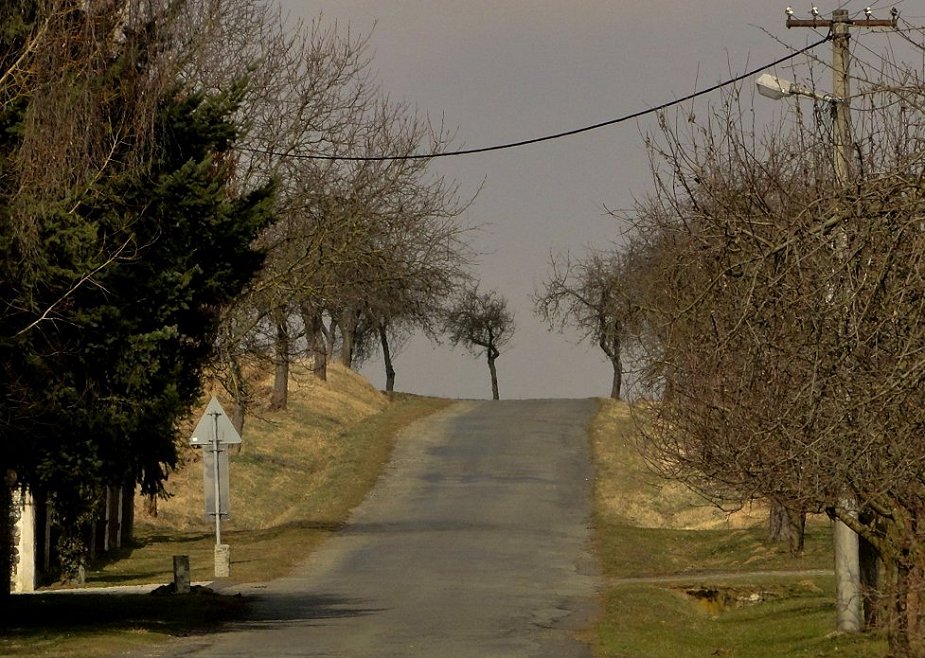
[(474, 543)]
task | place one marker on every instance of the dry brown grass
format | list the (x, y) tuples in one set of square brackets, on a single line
[(283, 457), (630, 493)]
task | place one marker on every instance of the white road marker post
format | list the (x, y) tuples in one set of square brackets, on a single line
[(213, 434), (215, 472)]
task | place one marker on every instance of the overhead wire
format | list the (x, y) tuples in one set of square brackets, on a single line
[(910, 28), (554, 136), (882, 71)]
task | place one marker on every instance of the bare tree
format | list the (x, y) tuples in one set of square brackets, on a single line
[(784, 327), (593, 295), (483, 324), (235, 350), (378, 247), (309, 91), (351, 235)]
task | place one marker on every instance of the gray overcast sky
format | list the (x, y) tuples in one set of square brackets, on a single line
[(505, 70)]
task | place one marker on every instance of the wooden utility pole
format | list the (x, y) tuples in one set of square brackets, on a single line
[(840, 24), (848, 593)]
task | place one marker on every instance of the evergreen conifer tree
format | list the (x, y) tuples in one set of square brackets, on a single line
[(111, 288)]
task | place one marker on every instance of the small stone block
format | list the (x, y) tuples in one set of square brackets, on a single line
[(222, 560), (181, 575)]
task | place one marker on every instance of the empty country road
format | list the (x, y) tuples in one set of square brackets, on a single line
[(474, 543)]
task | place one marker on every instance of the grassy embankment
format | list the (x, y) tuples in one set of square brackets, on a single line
[(710, 597), (294, 482)]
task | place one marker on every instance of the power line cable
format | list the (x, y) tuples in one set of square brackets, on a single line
[(559, 135)]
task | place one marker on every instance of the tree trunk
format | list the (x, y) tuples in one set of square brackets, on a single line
[(319, 361), (330, 337), (315, 335), (280, 397), (777, 523), (6, 534), (870, 565), (241, 397), (387, 358), (494, 376), (787, 525), (238, 413), (613, 351), (617, 385), (347, 332), (905, 633)]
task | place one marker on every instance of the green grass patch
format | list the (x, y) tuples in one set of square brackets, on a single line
[(759, 619), (629, 551)]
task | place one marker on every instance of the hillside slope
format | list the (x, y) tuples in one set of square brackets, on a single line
[(297, 476), (284, 455)]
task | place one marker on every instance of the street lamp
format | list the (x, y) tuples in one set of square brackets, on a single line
[(770, 86)]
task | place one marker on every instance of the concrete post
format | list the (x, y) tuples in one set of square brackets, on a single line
[(181, 575), (24, 572), (847, 560), (222, 560)]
